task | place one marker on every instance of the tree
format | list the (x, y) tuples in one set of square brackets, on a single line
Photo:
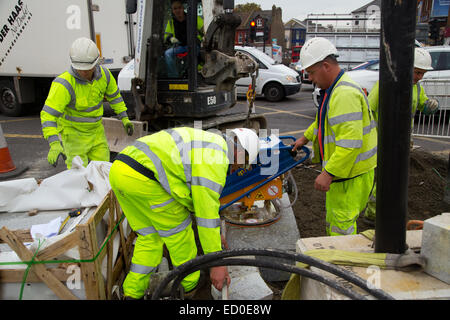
[(247, 7)]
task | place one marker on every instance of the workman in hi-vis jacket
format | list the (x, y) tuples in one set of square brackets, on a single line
[(420, 101), (159, 181), (74, 107), (344, 138)]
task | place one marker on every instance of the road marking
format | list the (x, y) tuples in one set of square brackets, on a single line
[(289, 133), (32, 136), (16, 120), (288, 112)]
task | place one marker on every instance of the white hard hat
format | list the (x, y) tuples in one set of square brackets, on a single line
[(422, 59), (315, 50), (84, 54), (247, 138)]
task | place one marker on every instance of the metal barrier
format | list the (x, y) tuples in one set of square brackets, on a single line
[(436, 125)]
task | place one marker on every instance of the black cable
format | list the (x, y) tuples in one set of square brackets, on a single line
[(190, 265), (305, 259), (273, 265)]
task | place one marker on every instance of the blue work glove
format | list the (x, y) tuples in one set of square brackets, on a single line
[(56, 150), (431, 106), (129, 128)]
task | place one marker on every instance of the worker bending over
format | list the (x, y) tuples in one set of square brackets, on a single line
[(420, 101), (159, 181), (74, 107), (344, 138)]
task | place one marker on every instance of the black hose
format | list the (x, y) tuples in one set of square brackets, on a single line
[(273, 265), (188, 267)]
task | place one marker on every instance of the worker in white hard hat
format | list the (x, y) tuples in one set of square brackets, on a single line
[(420, 101), (343, 136), (74, 107), (159, 181)]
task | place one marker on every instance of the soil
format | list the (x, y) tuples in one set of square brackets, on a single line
[(427, 183)]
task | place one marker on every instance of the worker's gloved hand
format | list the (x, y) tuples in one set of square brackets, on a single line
[(56, 150), (129, 128), (174, 40), (431, 106)]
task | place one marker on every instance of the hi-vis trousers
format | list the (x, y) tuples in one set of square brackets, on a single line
[(158, 219), (345, 201)]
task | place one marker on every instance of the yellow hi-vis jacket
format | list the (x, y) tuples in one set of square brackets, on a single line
[(350, 134), (170, 29), (75, 102), (419, 98), (191, 165)]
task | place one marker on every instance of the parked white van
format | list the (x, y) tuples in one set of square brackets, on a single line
[(275, 81)]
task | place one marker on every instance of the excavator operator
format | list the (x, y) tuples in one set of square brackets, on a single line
[(176, 36)]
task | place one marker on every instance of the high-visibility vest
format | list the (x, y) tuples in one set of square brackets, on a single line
[(419, 98), (170, 29), (191, 165), (349, 133), (73, 101)]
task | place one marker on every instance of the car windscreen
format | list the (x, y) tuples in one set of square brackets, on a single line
[(263, 57)]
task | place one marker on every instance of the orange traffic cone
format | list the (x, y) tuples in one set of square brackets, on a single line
[(7, 167), (6, 163)]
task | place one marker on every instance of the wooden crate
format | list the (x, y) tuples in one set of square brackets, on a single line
[(91, 253)]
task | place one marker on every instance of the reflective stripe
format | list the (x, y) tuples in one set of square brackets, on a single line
[(366, 155), (52, 111), (345, 117), (184, 155), (116, 100), (208, 223), (107, 75), (162, 204), (366, 130), (206, 145), (114, 94), (345, 143), (98, 106), (205, 182), (49, 124), (68, 86), (162, 177), (329, 139), (343, 232), (122, 115), (177, 229), (141, 269), (146, 231), (84, 119), (52, 139)]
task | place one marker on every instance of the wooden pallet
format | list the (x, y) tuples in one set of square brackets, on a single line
[(85, 238)]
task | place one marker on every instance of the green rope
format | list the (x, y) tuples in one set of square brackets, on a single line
[(28, 269), (31, 262), (437, 172)]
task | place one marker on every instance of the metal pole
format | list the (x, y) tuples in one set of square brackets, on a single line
[(398, 21)]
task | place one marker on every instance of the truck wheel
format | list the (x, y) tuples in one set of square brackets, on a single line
[(9, 104), (273, 92)]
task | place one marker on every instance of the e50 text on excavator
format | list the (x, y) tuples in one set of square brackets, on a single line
[(186, 78)]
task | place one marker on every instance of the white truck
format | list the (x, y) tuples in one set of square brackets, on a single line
[(35, 37)]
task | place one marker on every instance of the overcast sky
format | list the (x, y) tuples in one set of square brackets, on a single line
[(301, 8)]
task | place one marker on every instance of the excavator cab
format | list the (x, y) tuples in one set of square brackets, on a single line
[(180, 78)]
